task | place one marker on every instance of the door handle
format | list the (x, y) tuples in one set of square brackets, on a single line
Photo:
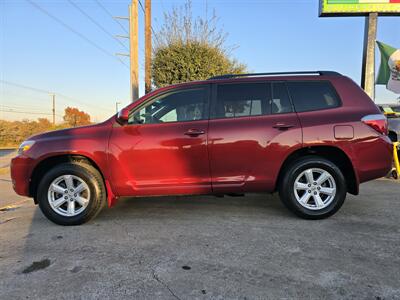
[(282, 126), (194, 132)]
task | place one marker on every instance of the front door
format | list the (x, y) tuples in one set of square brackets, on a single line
[(252, 129), (163, 149)]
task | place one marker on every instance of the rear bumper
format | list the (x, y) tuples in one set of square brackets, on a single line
[(374, 158), (21, 167)]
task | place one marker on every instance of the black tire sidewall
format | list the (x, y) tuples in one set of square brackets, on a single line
[(86, 173), (287, 188)]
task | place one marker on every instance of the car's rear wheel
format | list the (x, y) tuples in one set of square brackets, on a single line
[(313, 188), (71, 193)]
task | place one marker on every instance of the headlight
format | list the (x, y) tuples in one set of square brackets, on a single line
[(25, 146)]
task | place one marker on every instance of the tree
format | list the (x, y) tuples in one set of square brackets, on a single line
[(189, 48), (74, 117), (12, 133), (43, 124)]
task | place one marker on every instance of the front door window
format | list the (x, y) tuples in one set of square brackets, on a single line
[(178, 106)]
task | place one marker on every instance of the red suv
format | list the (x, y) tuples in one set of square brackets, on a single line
[(312, 136)]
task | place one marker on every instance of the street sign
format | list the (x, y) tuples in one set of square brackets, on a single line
[(334, 8)]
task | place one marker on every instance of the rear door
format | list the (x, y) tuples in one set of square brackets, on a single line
[(252, 129)]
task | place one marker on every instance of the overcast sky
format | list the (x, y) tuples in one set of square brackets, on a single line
[(79, 64)]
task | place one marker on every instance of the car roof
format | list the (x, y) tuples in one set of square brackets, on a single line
[(274, 76)]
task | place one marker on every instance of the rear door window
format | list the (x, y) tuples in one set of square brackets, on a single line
[(280, 102), (313, 95), (242, 100)]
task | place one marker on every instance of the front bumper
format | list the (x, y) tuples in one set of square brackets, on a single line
[(21, 167)]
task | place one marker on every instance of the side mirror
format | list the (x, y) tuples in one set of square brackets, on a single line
[(123, 116)]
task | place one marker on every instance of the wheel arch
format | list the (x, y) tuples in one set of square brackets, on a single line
[(331, 153), (48, 162), (393, 136)]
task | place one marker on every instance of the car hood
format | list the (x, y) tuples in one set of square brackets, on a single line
[(70, 133)]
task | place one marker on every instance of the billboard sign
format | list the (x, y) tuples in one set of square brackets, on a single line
[(336, 8)]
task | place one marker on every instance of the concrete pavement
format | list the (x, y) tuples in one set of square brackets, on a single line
[(7, 194), (206, 248), (5, 157)]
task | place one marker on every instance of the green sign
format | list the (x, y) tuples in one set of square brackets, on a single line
[(359, 7)]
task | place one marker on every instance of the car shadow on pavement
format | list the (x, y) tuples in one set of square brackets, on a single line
[(206, 247), (126, 247), (194, 206)]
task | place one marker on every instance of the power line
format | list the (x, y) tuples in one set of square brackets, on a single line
[(22, 107), (75, 32), (111, 16), (18, 95), (151, 27), (142, 7), (81, 102), (96, 23), (25, 87), (28, 112), (71, 99)]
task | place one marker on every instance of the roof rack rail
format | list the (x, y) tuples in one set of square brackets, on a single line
[(320, 73)]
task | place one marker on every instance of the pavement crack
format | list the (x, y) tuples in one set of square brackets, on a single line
[(13, 206), (156, 278), (8, 208), (6, 220)]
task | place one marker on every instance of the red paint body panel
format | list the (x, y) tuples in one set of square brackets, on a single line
[(21, 169), (90, 142), (234, 155), (159, 159), (246, 153), (343, 132), (368, 151)]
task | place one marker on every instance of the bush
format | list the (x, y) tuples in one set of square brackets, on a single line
[(189, 48), (192, 61)]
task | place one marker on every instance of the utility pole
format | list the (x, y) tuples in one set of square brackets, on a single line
[(147, 76), (134, 49), (368, 66), (53, 96)]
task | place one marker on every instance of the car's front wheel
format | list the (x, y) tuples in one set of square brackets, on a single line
[(71, 193), (313, 188)]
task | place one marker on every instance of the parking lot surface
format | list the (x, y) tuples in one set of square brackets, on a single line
[(206, 248)]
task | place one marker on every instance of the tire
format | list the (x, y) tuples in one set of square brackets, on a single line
[(392, 136), (295, 199), (395, 175), (84, 177)]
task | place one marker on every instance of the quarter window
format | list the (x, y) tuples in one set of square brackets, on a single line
[(178, 106), (242, 100), (313, 95)]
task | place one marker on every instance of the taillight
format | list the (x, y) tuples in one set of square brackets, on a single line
[(377, 122)]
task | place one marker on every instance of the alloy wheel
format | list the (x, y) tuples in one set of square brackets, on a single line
[(68, 195), (315, 188)]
